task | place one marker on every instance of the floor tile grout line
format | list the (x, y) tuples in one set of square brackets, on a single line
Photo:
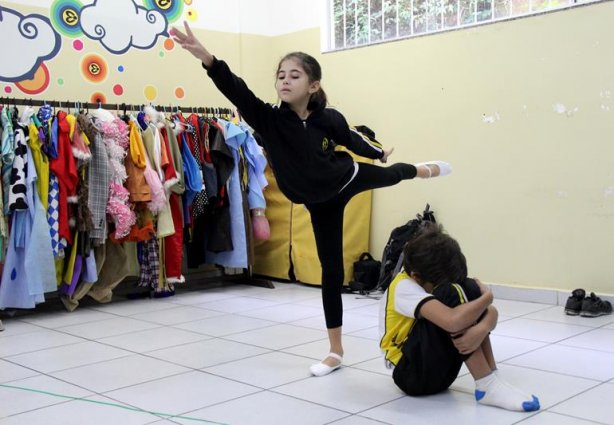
[(131, 352), (92, 392), (43, 349), (289, 323), (354, 415), (270, 390), (90, 309), (553, 372), (585, 348), (274, 390), (547, 345), (557, 322), (37, 408), (598, 384), (95, 341), (545, 342), (70, 399), (47, 373)]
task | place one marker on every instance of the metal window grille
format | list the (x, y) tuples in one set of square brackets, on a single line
[(362, 22)]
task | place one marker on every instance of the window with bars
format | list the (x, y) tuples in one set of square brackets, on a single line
[(361, 22)]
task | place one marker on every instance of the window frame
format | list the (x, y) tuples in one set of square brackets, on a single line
[(327, 33)]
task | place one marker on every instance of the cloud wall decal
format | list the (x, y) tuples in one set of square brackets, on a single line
[(32, 41), (122, 24)]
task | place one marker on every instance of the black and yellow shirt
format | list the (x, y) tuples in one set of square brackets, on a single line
[(400, 309), (398, 314)]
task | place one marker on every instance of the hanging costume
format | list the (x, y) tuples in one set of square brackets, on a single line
[(29, 271), (173, 244), (65, 169)]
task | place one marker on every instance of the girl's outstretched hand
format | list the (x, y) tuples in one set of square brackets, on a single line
[(189, 42), (387, 153)]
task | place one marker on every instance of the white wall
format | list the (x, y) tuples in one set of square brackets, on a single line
[(258, 17), (277, 17)]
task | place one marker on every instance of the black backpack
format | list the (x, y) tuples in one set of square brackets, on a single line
[(392, 257), (366, 274)]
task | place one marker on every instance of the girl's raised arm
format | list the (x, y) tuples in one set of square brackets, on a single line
[(189, 42)]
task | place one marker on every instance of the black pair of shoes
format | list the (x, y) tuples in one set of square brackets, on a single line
[(592, 306)]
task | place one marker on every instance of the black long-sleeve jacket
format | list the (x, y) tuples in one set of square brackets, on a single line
[(301, 153)]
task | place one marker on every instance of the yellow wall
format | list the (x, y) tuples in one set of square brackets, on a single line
[(531, 198)]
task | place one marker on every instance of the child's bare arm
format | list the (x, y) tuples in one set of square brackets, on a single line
[(470, 339)]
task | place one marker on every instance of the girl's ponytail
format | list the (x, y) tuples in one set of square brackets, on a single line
[(318, 100)]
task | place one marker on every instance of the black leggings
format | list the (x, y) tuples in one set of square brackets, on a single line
[(327, 222)]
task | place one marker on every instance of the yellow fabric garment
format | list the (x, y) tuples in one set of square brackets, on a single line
[(70, 267), (72, 120), (137, 148), (59, 269), (292, 244), (41, 163), (243, 169), (84, 138)]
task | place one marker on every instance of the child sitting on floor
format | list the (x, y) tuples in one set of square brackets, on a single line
[(430, 325)]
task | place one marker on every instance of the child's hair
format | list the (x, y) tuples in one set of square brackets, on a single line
[(434, 256), (313, 70)]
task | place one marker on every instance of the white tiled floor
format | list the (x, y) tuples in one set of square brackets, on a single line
[(240, 355)]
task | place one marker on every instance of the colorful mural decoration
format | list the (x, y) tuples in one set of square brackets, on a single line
[(94, 68), (32, 41), (98, 97), (192, 15), (169, 44), (118, 90), (118, 25), (38, 83), (122, 24), (171, 9), (150, 92), (65, 17)]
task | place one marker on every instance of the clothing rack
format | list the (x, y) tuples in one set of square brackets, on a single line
[(242, 278), (113, 106)]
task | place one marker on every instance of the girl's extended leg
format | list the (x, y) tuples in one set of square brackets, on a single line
[(371, 176), (327, 223)]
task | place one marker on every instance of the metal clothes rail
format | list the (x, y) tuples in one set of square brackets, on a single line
[(113, 106)]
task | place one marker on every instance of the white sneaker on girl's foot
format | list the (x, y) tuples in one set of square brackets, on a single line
[(322, 369), (436, 168)]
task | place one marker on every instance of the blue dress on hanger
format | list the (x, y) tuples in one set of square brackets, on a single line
[(29, 269), (237, 137)]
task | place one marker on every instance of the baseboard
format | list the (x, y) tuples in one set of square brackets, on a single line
[(537, 295)]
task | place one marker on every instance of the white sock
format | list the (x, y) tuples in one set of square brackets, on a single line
[(444, 167), (494, 391)]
